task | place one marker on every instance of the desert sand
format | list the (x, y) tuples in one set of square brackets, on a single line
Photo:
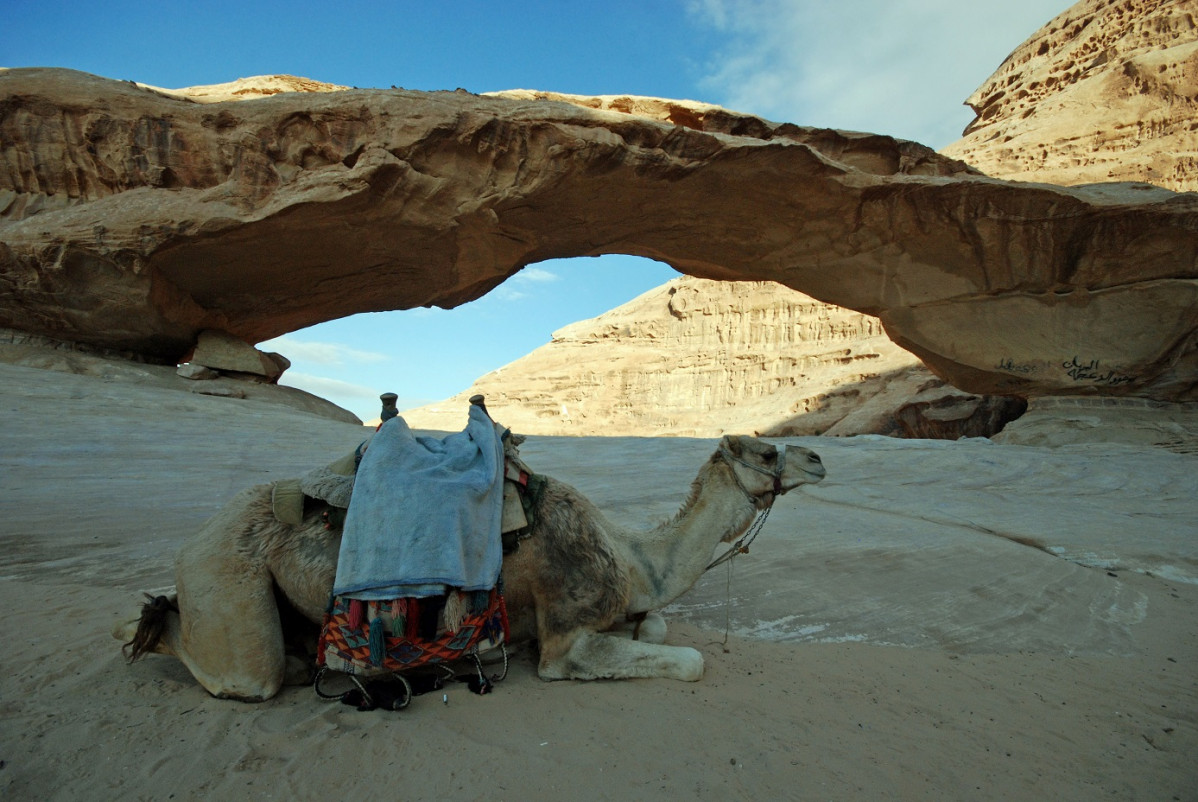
[(936, 620)]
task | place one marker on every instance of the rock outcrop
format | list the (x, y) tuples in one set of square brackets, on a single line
[(224, 352), (699, 358), (247, 88), (1057, 421), (1106, 91), (30, 351), (132, 219)]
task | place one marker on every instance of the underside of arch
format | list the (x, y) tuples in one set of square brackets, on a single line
[(131, 219)]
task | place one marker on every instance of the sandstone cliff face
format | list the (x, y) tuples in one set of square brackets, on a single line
[(1106, 91), (699, 358), (133, 220)]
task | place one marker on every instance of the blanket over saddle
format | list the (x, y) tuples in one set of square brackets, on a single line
[(425, 514)]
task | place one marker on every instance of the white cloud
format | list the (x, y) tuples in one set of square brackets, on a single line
[(511, 290), (506, 293), (535, 274), (903, 69), (361, 400), (320, 353), (326, 388)]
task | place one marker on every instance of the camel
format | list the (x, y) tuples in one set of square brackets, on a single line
[(573, 584)]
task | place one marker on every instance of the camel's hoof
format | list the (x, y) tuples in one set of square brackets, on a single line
[(690, 664)]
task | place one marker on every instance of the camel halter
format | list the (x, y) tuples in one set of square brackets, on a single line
[(776, 473), (741, 546)]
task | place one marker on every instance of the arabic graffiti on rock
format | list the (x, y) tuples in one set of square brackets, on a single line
[(1014, 367), (1090, 371)]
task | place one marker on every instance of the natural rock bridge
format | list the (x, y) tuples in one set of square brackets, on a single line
[(133, 219)]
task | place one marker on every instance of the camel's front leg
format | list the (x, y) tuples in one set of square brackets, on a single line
[(600, 655)]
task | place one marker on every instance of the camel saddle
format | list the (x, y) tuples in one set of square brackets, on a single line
[(333, 485)]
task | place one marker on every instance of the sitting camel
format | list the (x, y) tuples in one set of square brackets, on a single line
[(572, 584)]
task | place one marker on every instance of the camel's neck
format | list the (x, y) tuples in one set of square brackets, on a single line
[(667, 561)]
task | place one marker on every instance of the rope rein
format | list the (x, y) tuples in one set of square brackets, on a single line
[(741, 546)]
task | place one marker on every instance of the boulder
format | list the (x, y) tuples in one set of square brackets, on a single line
[(224, 352), (190, 370), (134, 219), (282, 363)]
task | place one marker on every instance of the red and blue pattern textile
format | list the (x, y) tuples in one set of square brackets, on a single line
[(367, 638)]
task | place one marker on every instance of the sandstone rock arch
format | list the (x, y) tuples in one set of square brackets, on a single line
[(132, 218)]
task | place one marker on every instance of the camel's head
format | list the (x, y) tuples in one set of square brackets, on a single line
[(765, 471)]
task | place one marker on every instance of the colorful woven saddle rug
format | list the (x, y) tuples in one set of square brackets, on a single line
[(374, 638)]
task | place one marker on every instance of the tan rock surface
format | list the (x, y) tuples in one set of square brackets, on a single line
[(1106, 91), (134, 220), (697, 357), (1061, 421), (248, 88), (22, 350)]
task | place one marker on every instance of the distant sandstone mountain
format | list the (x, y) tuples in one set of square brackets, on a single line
[(699, 358), (1106, 91)]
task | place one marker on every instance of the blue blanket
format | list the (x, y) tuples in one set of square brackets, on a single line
[(425, 514)]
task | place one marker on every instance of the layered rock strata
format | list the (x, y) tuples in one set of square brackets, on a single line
[(700, 358), (1106, 91), (133, 219)]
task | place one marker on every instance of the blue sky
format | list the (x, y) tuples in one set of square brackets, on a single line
[(895, 67)]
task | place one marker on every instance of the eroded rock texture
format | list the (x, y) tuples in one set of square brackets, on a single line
[(700, 358), (134, 219), (1106, 91)]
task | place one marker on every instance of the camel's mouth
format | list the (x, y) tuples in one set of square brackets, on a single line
[(809, 478), (813, 471), (817, 474)]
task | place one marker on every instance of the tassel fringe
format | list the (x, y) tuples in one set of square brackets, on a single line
[(378, 646), (456, 608), (357, 612)]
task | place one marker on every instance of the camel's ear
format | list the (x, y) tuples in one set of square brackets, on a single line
[(732, 442)]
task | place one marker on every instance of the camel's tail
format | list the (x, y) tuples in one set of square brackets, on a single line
[(150, 627)]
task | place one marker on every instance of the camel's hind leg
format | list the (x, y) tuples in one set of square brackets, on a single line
[(601, 655), (158, 631), (226, 629)]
